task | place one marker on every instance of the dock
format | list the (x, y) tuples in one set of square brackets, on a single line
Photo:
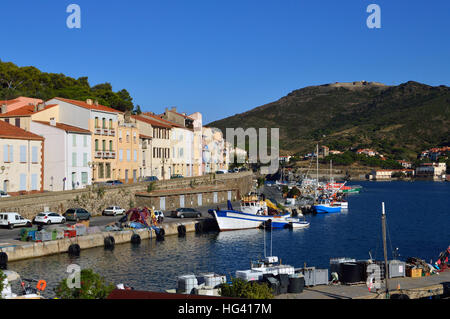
[(414, 288)]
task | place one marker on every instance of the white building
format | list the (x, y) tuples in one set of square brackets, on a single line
[(433, 170), (66, 156), (182, 142)]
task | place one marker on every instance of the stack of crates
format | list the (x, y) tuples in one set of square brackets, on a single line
[(310, 276), (28, 234), (70, 233), (43, 236), (81, 229)]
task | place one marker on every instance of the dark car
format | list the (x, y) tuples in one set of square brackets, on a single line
[(186, 212), (150, 179), (77, 214), (113, 183), (176, 176)]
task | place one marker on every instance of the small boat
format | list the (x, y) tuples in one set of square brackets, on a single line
[(28, 291), (295, 223), (324, 206)]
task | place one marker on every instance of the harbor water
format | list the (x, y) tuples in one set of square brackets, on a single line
[(418, 221)]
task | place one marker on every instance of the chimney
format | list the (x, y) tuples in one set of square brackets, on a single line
[(174, 108), (89, 101), (40, 106), (52, 121)]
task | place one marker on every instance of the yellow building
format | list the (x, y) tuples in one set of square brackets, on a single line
[(129, 151)]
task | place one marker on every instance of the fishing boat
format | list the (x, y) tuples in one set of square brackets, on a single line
[(324, 206), (231, 219), (295, 223)]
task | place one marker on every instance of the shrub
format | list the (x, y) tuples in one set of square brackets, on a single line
[(240, 288), (93, 286), (2, 278)]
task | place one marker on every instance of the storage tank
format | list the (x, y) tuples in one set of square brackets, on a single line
[(350, 273)]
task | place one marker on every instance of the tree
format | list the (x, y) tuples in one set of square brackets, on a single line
[(93, 286)]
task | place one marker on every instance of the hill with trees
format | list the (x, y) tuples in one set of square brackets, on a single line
[(30, 82)]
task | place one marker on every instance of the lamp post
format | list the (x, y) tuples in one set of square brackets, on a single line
[(93, 165)]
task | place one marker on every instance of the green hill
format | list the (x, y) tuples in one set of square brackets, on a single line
[(398, 121), (29, 81)]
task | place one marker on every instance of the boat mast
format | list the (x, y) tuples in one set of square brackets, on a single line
[(383, 227)]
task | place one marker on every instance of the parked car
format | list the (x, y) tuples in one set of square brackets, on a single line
[(77, 214), (150, 179), (176, 176), (114, 211), (113, 183), (223, 171), (49, 218), (186, 212), (12, 220), (4, 194)]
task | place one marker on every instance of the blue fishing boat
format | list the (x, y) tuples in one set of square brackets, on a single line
[(324, 206)]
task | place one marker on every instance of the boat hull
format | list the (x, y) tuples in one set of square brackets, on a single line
[(323, 209), (235, 220)]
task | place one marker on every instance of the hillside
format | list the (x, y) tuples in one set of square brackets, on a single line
[(398, 121), (29, 81)]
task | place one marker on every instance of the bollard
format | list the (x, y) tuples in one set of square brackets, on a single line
[(199, 228), (3, 261), (136, 239), (74, 250), (109, 242), (181, 230), (160, 234)]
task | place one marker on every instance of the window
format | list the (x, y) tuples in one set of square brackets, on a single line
[(104, 123), (7, 121), (128, 156), (121, 155), (111, 145), (74, 159), (128, 137), (101, 172), (84, 178), (108, 170), (96, 145), (110, 124), (85, 159), (23, 154), (134, 137), (74, 140), (104, 145), (23, 182), (34, 154), (85, 141), (120, 136), (17, 122), (135, 155), (96, 122), (34, 186), (8, 152)]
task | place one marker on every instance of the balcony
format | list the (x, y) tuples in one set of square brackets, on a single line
[(98, 154), (106, 154), (112, 132), (105, 131), (98, 131), (112, 155)]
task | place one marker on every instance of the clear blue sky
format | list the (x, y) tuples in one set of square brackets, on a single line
[(225, 57)]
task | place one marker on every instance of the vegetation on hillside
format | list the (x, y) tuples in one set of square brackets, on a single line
[(397, 121), (240, 288), (30, 82)]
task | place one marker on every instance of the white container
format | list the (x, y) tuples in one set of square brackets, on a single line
[(249, 275), (187, 283)]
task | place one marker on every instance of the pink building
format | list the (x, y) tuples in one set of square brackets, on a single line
[(11, 105)]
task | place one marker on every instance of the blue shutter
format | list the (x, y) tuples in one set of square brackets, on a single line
[(34, 154), (23, 154), (5, 153), (23, 182), (34, 182), (11, 153)]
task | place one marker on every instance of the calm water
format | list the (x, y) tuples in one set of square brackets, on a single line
[(418, 219)]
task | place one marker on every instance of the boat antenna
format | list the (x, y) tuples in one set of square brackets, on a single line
[(383, 227)]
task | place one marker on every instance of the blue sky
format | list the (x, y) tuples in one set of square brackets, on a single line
[(226, 57)]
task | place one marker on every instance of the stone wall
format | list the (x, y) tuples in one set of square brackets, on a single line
[(95, 199)]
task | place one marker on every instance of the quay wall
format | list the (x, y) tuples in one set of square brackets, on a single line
[(96, 198), (41, 249)]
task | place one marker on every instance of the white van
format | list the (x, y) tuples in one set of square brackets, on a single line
[(12, 220)]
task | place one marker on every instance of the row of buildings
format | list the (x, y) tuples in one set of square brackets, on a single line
[(435, 171), (64, 144)]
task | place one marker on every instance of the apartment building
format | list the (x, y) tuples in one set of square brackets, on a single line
[(129, 150), (21, 160)]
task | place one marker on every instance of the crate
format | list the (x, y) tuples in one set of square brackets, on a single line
[(70, 233), (28, 233), (396, 268), (80, 229), (321, 277), (43, 236), (59, 233), (414, 272), (310, 276)]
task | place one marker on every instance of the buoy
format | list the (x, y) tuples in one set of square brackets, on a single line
[(160, 234), (181, 230), (199, 228), (136, 239), (74, 250), (109, 242), (3, 261)]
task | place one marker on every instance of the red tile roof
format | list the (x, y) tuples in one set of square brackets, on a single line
[(27, 110), (93, 107), (65, 127), (150, 121), (159, 118), (144, 136), (10, 131)]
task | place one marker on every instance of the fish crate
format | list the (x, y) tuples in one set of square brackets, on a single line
[(70, 233), (414, 272), (397, 268), (186, 283), (43, 236), (321, 277), (249, 275), (310, 276), (80, 229)]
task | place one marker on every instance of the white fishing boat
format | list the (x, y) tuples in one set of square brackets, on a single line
[(295, 223)]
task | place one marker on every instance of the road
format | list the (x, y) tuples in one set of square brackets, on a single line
[(7, 234)]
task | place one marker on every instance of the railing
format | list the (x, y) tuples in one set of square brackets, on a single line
[(98, 154), (98, 131), (112, 132), (105, 131)]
